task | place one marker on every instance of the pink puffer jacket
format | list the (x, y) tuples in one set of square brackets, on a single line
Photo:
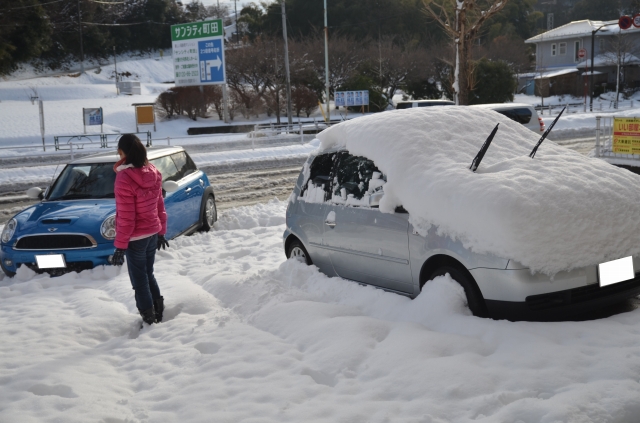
[(139, 203)]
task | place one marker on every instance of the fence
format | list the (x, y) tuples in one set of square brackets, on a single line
[(600, 106), (604, 139), (95, 139)]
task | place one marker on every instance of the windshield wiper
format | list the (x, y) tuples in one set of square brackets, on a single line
[(533, 152), (476, 161)]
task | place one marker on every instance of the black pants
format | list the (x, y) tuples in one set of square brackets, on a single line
[(141, 255)]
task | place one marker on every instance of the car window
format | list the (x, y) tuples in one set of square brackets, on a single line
[(404, 105), (167, 168), (435, 103), (521, 115), (84, 181), (356, 178), (184, 164), (318, 186)]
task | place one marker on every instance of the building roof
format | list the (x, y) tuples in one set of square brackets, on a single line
[(580, 29), (554, 73)]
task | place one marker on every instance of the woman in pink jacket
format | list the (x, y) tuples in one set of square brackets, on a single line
[(141, 223)]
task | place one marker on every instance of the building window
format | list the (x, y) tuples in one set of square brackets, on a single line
[(554, 50), (563, 49), (576, 49)]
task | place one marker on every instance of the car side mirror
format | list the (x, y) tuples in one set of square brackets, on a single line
[(170, 186), (374, 199), (35, 193)]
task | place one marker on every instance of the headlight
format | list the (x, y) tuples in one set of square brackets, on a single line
[(108, 227), (9, 230)]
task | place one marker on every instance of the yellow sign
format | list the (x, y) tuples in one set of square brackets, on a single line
[(626, 135), (145, 115)]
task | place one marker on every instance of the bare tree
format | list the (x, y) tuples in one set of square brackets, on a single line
[(621, 50), (461, 20)]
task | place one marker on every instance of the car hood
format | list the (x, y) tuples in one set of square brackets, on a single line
[(76, 216)]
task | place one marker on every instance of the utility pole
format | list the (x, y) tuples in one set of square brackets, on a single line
[(115, 63), (235, 6), (286, 63), (326, 58), (81, 47)]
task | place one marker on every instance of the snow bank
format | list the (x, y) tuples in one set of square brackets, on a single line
[(556, 212)]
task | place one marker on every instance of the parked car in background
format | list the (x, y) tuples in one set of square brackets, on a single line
[(74, 224), (442, 218), (423, 103), (522, 113)]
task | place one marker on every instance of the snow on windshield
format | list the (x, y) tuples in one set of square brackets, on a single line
[(558, 211)]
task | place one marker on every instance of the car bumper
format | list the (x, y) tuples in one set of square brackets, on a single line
[(566, 303), (80, 259)]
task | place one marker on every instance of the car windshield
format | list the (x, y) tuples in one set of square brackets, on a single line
[(80, 181)]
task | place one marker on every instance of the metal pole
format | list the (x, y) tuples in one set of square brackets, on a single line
[(286, 63), (115, 63), (326, 59), (225, 103), (235, 5), (597, 136), (81, 47), (41, 107), (593, 36)]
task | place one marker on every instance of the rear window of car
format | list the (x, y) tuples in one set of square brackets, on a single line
[(436, 103), (521, 115), (404, 105)]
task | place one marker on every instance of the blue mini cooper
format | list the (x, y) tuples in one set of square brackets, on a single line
[(73, 227)]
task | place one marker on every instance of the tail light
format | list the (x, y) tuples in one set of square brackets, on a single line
[(542, 127)]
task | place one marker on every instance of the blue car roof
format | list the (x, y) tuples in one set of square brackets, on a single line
[(111, 156)]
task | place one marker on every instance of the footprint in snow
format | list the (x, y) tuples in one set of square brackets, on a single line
[(63, 391)]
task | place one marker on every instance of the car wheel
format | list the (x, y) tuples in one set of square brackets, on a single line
[(209, 214), (296, 250), (475, 300)]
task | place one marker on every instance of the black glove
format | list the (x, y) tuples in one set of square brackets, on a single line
[(118, 257), (162, 242)]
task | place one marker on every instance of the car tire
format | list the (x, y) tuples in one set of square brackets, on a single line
[(297, 250), (209, 214), (475, 301)]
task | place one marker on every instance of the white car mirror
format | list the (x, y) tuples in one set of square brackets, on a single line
[(35, 193), (374, 199), (170, 186)]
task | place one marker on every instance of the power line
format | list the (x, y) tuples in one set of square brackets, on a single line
[(126, 24), (33, 5), (108, 2)]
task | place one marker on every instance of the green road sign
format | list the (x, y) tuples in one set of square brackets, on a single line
[(193, 30)]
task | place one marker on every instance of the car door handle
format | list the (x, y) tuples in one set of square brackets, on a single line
[(188, 189), (329, 223)]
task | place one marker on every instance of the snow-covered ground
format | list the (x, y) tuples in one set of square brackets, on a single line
[(250, 337)]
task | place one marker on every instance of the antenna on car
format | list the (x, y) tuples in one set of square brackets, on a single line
[(476, 162), (533, 152)]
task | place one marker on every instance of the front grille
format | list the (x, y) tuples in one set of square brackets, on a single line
[(580, 295), (54, 242)]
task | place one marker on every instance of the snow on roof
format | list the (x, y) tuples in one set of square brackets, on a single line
[(558, 211), (579, 29), (554, 73), (610, 59)]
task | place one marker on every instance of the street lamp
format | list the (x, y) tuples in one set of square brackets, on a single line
[(593, 54)]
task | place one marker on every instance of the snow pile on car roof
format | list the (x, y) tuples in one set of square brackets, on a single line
[(558, 211)]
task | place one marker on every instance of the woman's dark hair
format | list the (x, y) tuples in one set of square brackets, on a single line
[(133, 149)]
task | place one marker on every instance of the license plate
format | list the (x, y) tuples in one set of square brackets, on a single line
[(51, 261), (616, 271)]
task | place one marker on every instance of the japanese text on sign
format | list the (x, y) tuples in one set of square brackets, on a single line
[(198, 53), (196, 30), (352, 98), (626, 135)]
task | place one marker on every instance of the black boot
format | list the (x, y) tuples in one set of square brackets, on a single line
[(148, 316), (158, 304)]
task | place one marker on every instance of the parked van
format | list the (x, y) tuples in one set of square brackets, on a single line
[(423, 103), (520, 112)]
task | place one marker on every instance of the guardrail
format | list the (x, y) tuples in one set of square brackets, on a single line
[(600, 106), (98, 139)]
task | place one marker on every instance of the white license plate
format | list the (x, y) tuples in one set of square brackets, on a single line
[(51, 261), (616, 271)]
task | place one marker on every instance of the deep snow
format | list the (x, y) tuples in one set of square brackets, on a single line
[(250, 337)]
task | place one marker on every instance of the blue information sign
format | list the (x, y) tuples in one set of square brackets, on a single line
[(210, 57)]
